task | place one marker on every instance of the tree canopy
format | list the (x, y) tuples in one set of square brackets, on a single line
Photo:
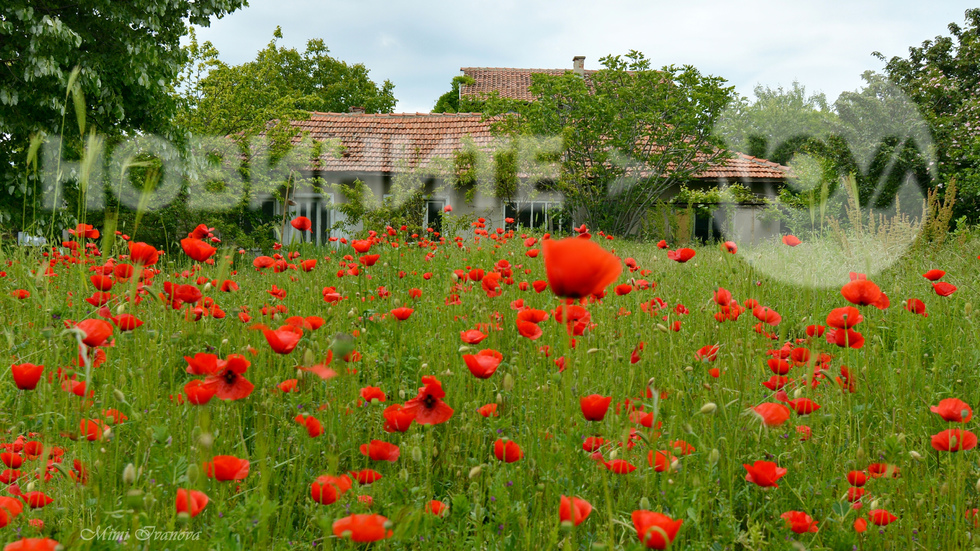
[(628, 133), (127, 54), (942, 78), (280, 84)]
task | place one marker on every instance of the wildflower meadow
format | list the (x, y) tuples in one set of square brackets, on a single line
[(500, 389)]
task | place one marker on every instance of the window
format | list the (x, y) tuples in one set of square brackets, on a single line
[(317, 209), (433, 214), (545, 215)]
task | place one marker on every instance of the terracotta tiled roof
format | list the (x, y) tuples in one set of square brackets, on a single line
[(391, 142), (511, 83), (745, 167)]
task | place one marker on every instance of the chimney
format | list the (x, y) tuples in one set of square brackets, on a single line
[(355, 109), (578, 65)]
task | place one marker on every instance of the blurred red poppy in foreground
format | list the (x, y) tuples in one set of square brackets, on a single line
[(301, 223), (577, 268), (954, 440), (799, 522), (226, 467), (954, 410), (764, 473), (362, 528), (573, 509), (655, 530), (191, 501), (507, 451)]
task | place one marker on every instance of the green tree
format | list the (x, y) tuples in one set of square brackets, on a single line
[(282, 84), (778, 123), (127, 55), (451, 102), (628, 133), (942, 78)]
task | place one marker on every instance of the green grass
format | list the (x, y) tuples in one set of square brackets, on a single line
[(908, 363)]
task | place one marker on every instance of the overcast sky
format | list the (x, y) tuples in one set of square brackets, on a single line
[(420, 46)]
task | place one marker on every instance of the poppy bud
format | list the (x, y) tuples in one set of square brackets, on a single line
[(714, 456), (797, 393), (978, 484), (120, 309), (500, 399), (915, 455), (508, 382), (689, 369), (688, 428), (416, 454), (860, 455), (967, 309), (193, 473), (183, 518), (134, 499), (435, 451), (708, 408), (463, 349), (129, 474), (119, 395), (566, 526), (401, 394), (661, 328), (613, 454), (475, 471), (644, 503), (308, 357), (205, 440), (592, 351)]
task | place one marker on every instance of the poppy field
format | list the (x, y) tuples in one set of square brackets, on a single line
[(499, 390)]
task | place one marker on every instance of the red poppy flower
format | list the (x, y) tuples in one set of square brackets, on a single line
[(301, 223), (707, 353), (471, 336), (857, 478), (861, 292), (191, 501), (142, 254), (767, 315), (488, 410), (879, 470), (398, 419), (197, 249), (881, 517), (402, 313), (595, 406), (9, 509), (227, 381), (660, 460), (916, 306), (844, 318), (370, 393), (369, 259), (934, 275), (771, 414), (681, 255), (428, 407), (799, 522), (437, 508), (366, 476), (92, 429), (362, 528), (623, 289), (97, 331), (944, 289), (313, 426), (954, 440), (578, 268), (377, 450), (484, 363), (730, 246), (507, 450), (199, 393), (953, 409), (764, 473), (791, 240), (20, 294), (32, 544), (326, 489), (26, 376), (574, 510), (845, 338), (126, 322), (655, 530), (619, 466), (815, 330), (226, 467), (284, 339)]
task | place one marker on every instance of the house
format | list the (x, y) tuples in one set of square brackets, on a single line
[(381, 150)]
